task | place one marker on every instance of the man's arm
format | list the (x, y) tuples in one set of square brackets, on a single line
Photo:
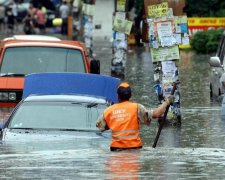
[(160, 110), (146, 115)]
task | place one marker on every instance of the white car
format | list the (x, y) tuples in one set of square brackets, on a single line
[(41, 116), (32, 37), (217, 69), (58, 106)]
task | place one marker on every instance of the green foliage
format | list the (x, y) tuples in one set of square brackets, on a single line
[(139, 5), (206, 41), (204, 8), (220, 13)]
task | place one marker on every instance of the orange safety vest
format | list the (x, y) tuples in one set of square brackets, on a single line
[(122, 119)]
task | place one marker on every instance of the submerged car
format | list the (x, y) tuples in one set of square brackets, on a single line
[(47, 114), (57, 105), (217, 69)]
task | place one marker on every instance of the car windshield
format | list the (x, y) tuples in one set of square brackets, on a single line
[(57, 115), (26, 60), (221, 49)]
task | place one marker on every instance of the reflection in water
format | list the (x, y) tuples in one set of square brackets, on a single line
[(194, 76), (4, 114), (123, 165)]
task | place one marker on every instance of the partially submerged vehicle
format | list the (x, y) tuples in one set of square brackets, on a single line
[(56, 106), (25, 54), (217, 63)]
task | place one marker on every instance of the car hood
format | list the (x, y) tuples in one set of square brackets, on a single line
[(11, 83), (52, 139)]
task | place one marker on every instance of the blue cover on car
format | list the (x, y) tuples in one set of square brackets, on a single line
[(71, 83)]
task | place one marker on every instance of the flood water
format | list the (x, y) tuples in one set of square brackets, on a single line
[(195, 150)]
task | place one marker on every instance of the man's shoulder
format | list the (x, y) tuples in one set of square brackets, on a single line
[(141, 106)]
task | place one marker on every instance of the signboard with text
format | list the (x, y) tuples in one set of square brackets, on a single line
[(203, 24), (158, 10), (165, 54)]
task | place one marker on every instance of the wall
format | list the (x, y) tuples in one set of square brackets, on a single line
[(103, 16)]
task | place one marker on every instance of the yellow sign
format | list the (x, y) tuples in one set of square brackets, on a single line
[(88, 9), (165, 54), (121, 4), (206, 22), (158, 10), (122, 25)]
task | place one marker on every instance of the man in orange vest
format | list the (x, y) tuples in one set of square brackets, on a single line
[(124, 119)]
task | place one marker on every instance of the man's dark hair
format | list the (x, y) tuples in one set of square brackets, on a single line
[(124, 92)]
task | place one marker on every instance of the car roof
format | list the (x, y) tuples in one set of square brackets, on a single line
[(41, 40), (66, 98), (33, 37)]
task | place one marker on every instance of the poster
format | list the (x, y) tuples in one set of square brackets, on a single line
[(165, 54), (121, 5), (178, 38), (165, 33), (181, 25), (88, 9), (158, 10), (120, 36), (76, 3), (164, 29), (169, 68), (185, 39), (120, 15), (122, 25)]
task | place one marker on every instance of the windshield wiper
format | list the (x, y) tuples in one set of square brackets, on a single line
[(11, 75), (78, 130), (90, 105), (21, 128)]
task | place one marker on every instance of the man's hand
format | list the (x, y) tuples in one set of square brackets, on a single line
[(99, 124), (170, 99)]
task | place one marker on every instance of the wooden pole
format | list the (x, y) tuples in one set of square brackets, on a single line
[(164, 118), (70, 27)]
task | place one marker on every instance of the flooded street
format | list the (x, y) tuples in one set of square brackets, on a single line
[(196, 150)]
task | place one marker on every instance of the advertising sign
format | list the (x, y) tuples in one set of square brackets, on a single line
[(181, 25), (203, 24), (165, 54), (158, 10), (121, 5), (122, 25), (88, 9)]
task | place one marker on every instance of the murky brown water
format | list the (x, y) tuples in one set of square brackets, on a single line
[(196, 150)]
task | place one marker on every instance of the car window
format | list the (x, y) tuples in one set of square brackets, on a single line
[(221, 49), (26, 60), (57, 115)]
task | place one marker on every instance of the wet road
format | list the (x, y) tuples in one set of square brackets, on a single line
[(196, 150)]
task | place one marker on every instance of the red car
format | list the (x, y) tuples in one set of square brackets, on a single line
[(25, 54)]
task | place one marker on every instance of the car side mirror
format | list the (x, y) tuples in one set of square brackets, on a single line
[(215, 61), (95, 66)]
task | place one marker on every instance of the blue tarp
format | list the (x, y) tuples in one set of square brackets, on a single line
[(71, 83)]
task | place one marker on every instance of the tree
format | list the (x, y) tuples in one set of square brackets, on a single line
[(205, 8), (206, 41)]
